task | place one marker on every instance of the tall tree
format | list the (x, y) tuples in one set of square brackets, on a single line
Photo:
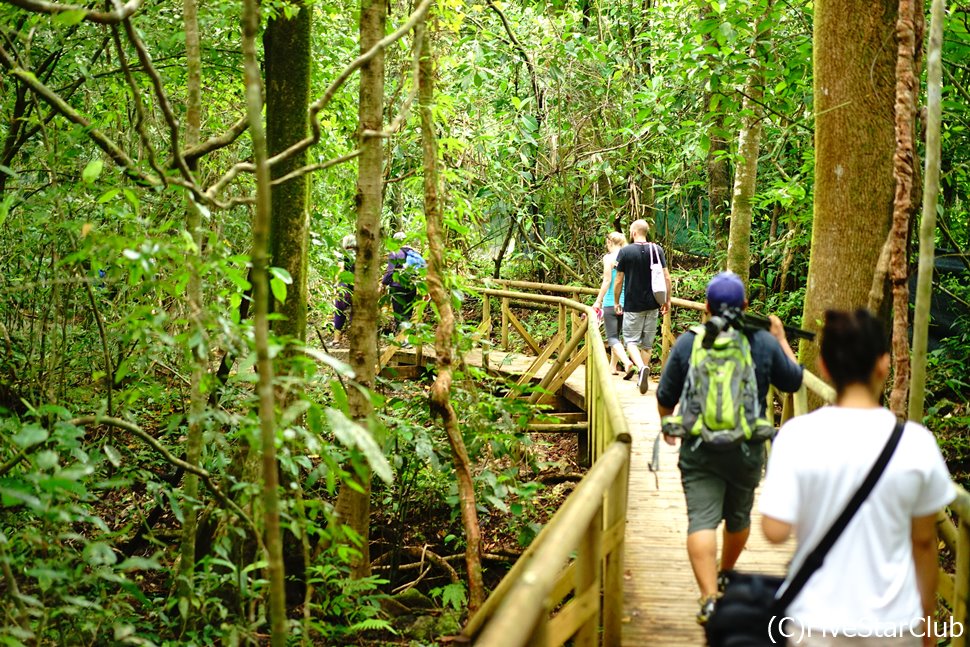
[(746, 175), (444, 335), (854, 81), (264, 363), (286, 45), (353, 503)]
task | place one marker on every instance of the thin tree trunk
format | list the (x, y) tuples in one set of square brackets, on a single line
[(444, 335), (353, 504), (931, 192), (718, 171), (746, 174), (199, 354), (264, 388), (903, 163)]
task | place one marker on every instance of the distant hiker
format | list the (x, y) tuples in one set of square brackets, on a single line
[(719, 479), (345, 285), (404, 269), (639, 307), (615, 241), (880, 576)]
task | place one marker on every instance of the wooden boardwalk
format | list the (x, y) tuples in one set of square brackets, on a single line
[(660, 594)]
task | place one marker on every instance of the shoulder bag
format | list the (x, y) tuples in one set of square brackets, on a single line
[(749, 612), (658, 283)]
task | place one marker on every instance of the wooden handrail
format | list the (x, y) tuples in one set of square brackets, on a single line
[(592, 519)]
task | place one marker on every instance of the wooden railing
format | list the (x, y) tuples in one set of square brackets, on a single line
[(530, 606), (527, 606)]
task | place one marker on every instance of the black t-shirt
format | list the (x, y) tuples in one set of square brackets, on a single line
[(634, 261)]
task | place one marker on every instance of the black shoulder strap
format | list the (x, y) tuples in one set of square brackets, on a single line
[(816, 558)]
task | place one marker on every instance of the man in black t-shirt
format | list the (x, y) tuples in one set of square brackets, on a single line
[(640, 310)]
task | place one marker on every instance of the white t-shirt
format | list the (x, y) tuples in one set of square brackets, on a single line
[(817, 462)]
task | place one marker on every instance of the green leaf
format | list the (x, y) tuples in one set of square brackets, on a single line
[(281, 274), (113, 456), (69, 18), (30, 435), (279, 289), (92, 171), (354, 435)]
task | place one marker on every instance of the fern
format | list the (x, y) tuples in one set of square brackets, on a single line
[(371, 624)]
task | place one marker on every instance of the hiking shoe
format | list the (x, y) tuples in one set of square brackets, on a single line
[(644, 380), (631, 370), (706, 610)]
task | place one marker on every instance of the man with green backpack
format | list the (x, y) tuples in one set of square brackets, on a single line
[(719, 373)]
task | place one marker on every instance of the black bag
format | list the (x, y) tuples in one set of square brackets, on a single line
[(749, 612)]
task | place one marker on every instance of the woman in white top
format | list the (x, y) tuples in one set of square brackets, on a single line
[(878, 583), (615, 241)]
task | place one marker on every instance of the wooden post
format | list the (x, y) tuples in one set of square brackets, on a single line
[(505, 324), (801, 401), (616, 504), (587, 577), (961, 582), (562, 323)]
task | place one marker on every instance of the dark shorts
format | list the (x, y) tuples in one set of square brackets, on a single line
[(719, 484), (612, 323)]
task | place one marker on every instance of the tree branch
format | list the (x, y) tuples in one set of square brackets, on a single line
[(131, 427), (216, 142), (121, 12)]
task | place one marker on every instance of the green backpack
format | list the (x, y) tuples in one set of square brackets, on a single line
[(719, 403)]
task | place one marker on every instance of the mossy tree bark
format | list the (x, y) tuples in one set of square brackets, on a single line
[(746, 174), (353, 504), (718, 171), (286, 43), (199, 354), (264, 364), (854, 69), (444, 335)]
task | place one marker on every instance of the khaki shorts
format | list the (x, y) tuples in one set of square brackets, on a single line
[(843, 641), (640, 327), (719, 484)]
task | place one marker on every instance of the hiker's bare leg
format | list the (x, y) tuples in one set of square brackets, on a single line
[(731, 548), (702, 551), (635, 354), (613, 359), (618, 352), (645, 355)]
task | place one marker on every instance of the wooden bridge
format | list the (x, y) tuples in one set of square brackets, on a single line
[(611, 568)]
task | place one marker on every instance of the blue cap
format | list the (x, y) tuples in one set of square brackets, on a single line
[(725, 290)]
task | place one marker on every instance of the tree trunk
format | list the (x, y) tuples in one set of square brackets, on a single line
[(286, 43), (353, 505), (264, 388), (444, 335), (903, 166), (931, 178), (199, 354), (718, 171), (745, 182), (854, 67)]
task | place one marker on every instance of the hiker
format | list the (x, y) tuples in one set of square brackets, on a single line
[(615, 241), (719, 480), (639, 307), (345, 285), (880, 575), (403, 269)]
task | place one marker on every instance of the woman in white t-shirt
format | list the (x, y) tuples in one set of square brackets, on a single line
[(878, 583), (612, 321)]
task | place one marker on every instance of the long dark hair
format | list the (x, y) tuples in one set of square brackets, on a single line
[(852, 343)]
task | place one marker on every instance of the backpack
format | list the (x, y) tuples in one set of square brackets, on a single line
[(413, 260), (719, 404)]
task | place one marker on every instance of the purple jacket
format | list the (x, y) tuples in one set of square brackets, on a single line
[(395, 262)]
